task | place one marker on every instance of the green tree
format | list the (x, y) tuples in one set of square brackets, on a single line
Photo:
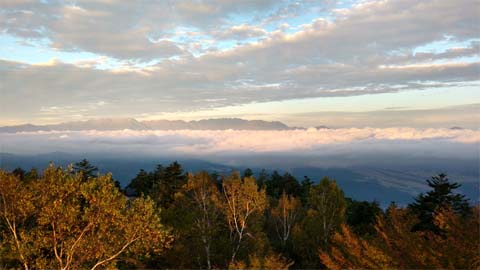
[(19, 173), (277, 184), (442, 195), (167, 181), (263, 177), (325, 214), (85, 168), (248, 172), (306, 184), (141, 184), (361, 216)]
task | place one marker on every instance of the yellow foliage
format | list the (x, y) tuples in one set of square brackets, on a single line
[(79, 222)]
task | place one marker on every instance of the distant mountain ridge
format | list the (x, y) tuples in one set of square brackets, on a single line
[(133, 124)]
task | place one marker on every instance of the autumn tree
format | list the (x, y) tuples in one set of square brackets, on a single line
[(285, 215), (62, 222), (201, 198), (456, 248), (349, 251), (269, 261), (241, 200), (17, 208), (397, 247)]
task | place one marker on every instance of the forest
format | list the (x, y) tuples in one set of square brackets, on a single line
[(78, 218)]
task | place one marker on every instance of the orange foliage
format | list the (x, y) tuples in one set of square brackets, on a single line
[(396, 246)]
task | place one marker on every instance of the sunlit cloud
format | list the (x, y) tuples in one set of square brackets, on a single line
[(196, 142), (176, 56)]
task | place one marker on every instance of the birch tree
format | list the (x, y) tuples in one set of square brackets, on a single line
[(242, 199), (203, 197), (285, 216)]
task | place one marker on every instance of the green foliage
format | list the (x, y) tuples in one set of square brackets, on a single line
[(84, 168), (277, 184), (442, 195), (161, 184), (141, 184), (362, 215), (248, 172), (325, 214)]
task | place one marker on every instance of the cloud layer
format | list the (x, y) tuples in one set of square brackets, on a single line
[(211, 142), (165, 56)]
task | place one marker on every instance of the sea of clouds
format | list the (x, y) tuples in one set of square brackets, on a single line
[(210, 142)]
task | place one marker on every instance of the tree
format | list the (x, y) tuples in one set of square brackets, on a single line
[(306, 184), (62, 222), (269, 261), (248, 172), (167, 181), (285, 216), (325, 214), (349, 251), (85, 168), (202, 198), (263, 177), (242, 199), (327, 205), (361, 216), (395, 246), (141, 184), (442, 195), (277, 184), (19, 173), (17, 207), (31, 175)]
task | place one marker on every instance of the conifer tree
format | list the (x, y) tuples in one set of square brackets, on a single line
[(441, 196), (85, 168)]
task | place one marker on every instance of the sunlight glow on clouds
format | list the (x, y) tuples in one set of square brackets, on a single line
[(195, 142), (142, 57)]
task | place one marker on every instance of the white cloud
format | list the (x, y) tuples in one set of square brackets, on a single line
[(366, 49), (200, 142), (240, 32)]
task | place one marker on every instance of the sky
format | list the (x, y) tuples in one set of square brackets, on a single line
[(306, 63)]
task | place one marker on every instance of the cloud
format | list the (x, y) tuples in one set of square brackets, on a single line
[(465, 116), (133, 30), (240, 32), (210, 142), (368, 48)]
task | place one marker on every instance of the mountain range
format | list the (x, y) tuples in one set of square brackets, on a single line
[(133, 124)]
